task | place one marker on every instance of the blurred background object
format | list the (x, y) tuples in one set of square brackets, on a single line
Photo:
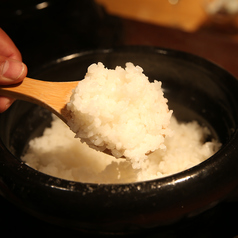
[(183, 14), (229, 7), (223, 14)]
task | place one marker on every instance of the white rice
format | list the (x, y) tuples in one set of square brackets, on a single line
[(59, 154), (120, 110)]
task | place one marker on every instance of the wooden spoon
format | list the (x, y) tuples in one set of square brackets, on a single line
[(51, 95)]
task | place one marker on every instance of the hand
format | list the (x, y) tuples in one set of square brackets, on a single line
[(12, 70)]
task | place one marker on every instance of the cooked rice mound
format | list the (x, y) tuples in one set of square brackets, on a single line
[(59, 154), (120, 110)]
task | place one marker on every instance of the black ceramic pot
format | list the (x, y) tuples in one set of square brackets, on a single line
[(196, 89)]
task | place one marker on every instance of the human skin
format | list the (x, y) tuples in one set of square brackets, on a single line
[(12, 69)]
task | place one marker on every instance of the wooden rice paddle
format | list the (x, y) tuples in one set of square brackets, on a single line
[(51, 95)]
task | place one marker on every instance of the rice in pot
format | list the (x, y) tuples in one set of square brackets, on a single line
[(59, 154), (122, 111)]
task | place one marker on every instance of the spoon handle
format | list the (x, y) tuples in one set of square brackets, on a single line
[(51, 95)]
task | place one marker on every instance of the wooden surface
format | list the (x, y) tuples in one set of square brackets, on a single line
[(187, 15), (216, 46)]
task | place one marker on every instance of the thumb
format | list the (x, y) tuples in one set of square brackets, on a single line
[(11, 71)]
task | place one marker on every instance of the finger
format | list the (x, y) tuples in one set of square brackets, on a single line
[(11, 71)]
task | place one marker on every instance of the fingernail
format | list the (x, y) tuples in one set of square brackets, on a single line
[(11, 70)]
